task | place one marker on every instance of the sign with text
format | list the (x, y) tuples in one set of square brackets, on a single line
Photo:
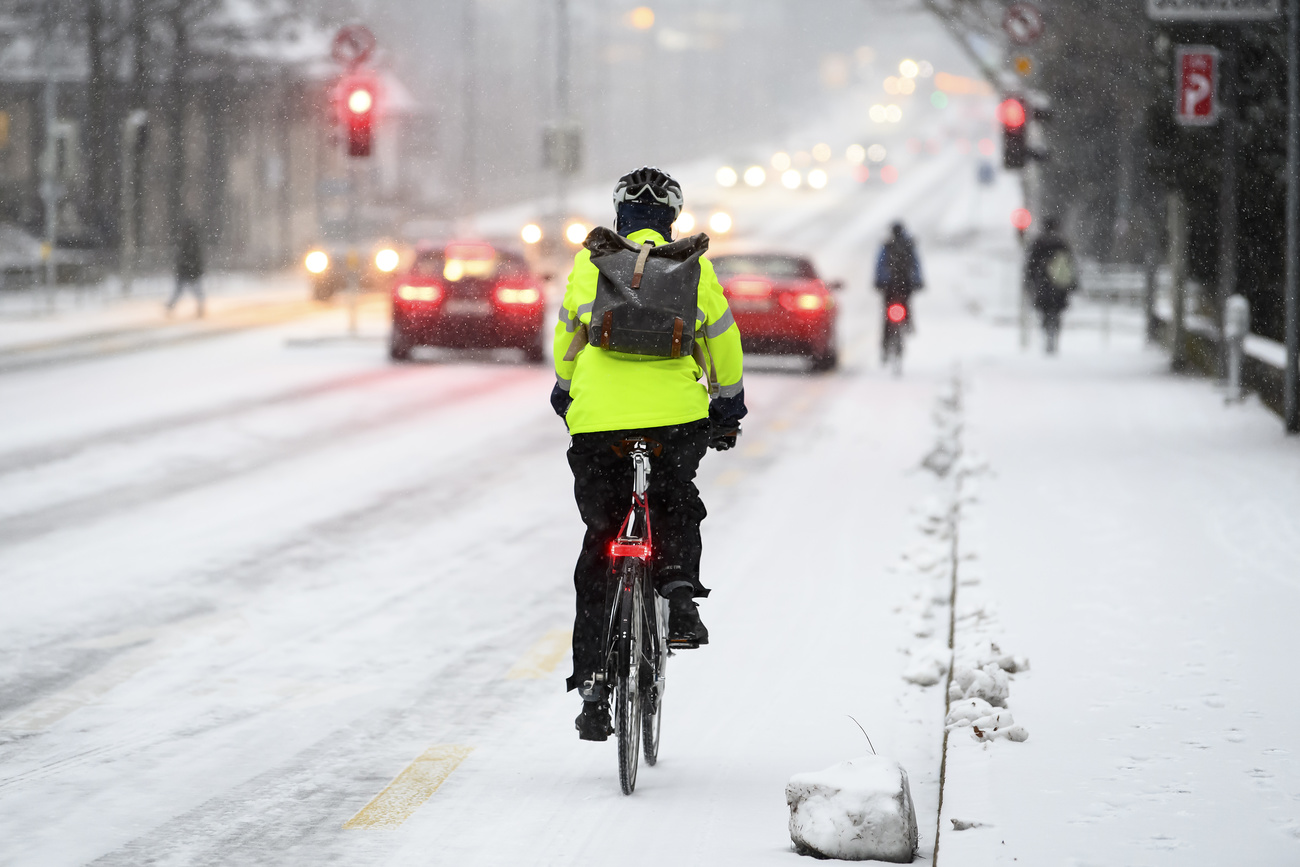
[(1196, 75), (1213, 10)]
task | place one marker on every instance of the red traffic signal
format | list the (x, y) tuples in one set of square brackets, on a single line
[(356, 100), (1012, 113), (1015, 150)]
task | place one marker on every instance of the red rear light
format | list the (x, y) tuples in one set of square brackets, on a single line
[(518, 295), (803, 302), (639, 550), (429, 294), (896, 313)]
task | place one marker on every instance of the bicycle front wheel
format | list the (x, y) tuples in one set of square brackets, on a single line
[(627, 691)]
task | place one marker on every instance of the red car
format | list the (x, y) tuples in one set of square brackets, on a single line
[(780, 305), (467, 295)]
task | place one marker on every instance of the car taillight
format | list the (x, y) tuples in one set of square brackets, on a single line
[(896, 313), (516, 295), (408, 292), (803, 301)]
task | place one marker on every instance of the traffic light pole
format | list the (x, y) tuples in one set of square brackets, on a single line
[(1291, 400), (1227, 189)]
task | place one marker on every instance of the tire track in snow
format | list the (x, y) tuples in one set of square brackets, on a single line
[(29, 525), (31, 458)]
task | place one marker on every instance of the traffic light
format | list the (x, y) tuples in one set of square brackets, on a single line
[(1015, 150), (356, 102), (359, 112)]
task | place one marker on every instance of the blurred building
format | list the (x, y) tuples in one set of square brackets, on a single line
[(240, 136)]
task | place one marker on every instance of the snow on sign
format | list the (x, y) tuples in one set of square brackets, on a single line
[(1212, 10), (1023, 23), (1197, 79)]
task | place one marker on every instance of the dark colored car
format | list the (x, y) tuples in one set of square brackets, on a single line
[(467, 295), (780, 305)]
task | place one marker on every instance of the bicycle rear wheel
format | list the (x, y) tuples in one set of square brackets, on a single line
[(652, 700), (627, 691)]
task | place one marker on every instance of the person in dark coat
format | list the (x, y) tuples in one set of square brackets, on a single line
[(898, 273), (189, 265), (1051, 276)]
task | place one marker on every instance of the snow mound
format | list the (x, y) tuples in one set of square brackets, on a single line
[(989, 683), (929, 668), (858, 810)]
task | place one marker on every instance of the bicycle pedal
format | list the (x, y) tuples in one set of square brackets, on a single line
[(685, 643)]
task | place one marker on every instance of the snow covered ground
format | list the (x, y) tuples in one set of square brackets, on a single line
[(268, 599)]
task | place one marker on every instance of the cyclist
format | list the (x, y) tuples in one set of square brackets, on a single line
[(1050, 274), (606, 396), (898, 273)]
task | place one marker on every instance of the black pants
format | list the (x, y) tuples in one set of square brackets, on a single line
[(602, 485)]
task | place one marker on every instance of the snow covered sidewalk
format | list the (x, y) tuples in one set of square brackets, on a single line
[(80, 322), (1139, 541)]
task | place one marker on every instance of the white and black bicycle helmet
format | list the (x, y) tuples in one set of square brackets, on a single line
[(648, 185)]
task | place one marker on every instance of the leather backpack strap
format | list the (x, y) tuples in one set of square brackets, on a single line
[(678, 325), (577, 344), (704, 359), (641, 258), (606, 327)]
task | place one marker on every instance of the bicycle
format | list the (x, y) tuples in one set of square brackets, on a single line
[(897, 315), (635, 638)]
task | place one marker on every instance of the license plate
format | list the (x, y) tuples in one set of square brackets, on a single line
[(467, 307), (743, 304)]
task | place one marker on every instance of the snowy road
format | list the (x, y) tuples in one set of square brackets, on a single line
[(262, 587)]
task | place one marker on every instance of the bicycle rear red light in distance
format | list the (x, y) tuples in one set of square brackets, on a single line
[(896, 313), (639, 550), (1021, 218)]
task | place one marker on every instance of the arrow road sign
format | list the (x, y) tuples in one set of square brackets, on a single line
[(1023, 23), (1197, 80)]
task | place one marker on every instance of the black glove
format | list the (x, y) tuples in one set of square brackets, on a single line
[(722, 434), (560, 401), (725, 414)]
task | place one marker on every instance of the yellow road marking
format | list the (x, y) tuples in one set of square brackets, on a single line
[(410, 789), (542, 657)]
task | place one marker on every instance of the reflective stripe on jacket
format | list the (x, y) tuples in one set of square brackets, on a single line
[(615, 391)]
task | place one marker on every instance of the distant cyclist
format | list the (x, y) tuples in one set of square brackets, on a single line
[(898, 271), (1051, 276), (605, 395)]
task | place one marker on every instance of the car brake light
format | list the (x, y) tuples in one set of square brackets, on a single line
[(418, 293), (512, 295), (896, 313), (803, 301)]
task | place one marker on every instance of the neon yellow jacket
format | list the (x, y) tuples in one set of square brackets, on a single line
[(616, 391)]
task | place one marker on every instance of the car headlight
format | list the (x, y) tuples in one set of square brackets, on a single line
[(386, 260), (317, 261)]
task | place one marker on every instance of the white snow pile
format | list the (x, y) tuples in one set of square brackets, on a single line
[(944, 567), (859, 810)]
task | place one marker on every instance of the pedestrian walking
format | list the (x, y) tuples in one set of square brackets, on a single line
[(1051, 276), (189, 266)]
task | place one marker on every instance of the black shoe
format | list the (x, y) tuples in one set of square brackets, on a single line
[(685, 630), (593, 723)]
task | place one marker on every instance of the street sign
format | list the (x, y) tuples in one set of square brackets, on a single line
[(353, 45), (1023, 23), (1213, 10), (1196, 81)]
